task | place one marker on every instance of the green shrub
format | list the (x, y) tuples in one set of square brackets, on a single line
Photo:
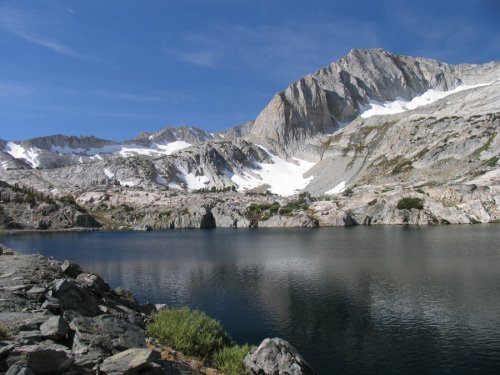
[(229, 360), (371, 203), (263, 211), (293, 206), (409, 203), (4, 332), (491, 162), (165, 213), (189, 331)]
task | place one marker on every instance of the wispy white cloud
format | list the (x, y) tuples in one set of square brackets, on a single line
[(286, 50), (203, 58), (33, 30), (127, 115), (11, 89)]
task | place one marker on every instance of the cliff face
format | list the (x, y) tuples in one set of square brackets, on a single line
[(325, 101)]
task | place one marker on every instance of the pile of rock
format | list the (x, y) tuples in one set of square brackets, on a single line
[(63, 319)]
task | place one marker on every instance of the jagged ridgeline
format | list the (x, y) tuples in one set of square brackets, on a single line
[(373, 124)]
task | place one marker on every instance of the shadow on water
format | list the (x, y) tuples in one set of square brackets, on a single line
[(364, 300)]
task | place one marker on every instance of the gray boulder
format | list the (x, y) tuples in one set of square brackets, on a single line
[(127, 298), (107, 332), (19, 370), (93, 282), (55, 328), (131, 362), (73, 297), (46, 357), (276, 357), (71, 269)]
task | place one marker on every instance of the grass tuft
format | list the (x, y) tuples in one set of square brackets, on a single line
[(4, 332), (189, 331), (229, 360)]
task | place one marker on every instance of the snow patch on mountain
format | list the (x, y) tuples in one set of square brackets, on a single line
[(339, 188), (283, 177), (193, 182), (30, 155), (129, 183), (125, 149), (376, 108), (108, 173)]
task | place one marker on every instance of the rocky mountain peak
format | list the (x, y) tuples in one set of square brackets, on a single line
[(186, 134), (52, 142), (320, 103)]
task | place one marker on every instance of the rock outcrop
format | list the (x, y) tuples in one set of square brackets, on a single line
[(325, 101), (276, 357)]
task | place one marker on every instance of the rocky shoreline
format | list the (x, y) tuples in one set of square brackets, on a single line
[(136, 209), (57, 318)]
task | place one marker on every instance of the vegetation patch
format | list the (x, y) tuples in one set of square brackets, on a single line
[(347, 192), (491, 162), (486, 146), (402, 166), (229, 360), (293, 206), (373, 202), (4, 332), (189, 331), (408, 203), (165, 214), (261, 212)]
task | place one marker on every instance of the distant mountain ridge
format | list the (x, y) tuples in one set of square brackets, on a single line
[(310, 137)]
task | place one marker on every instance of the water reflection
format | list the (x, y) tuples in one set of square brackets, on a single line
[(363, 300)]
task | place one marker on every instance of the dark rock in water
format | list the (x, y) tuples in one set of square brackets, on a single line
[(55, 328), (71, 269), (276, 357), (132, 361), (44, 358), (72, 297), (94, 283), (19, 370)]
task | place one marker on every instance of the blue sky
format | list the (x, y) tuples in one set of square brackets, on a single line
[(113, 68)]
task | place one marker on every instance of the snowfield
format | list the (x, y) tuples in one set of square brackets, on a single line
[(376, 108), (19, 152), (283, 177)]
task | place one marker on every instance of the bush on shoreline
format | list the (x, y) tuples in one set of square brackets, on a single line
[(189, 331), (229, 360), (194, 333)]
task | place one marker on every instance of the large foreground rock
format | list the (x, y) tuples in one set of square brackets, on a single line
[(46, 357), (71, 296), (131, 362), (276, 357)]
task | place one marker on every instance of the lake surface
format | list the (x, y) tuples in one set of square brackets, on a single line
[(362, 300)]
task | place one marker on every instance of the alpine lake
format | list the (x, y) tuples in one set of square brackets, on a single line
[(360, 300)]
